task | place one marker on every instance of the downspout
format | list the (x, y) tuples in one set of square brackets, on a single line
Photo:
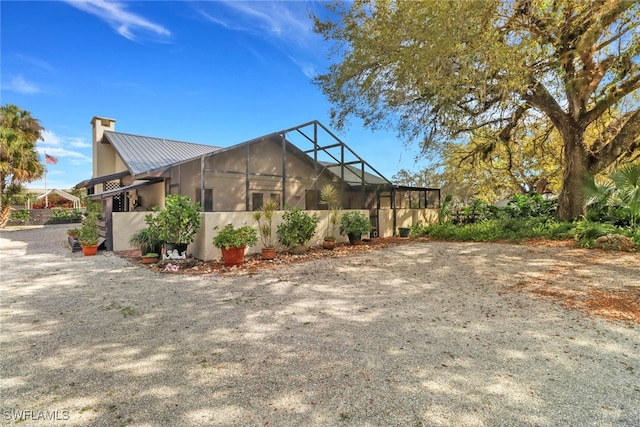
[(284, 170), (202, 180), (246, 180), (393, 207)]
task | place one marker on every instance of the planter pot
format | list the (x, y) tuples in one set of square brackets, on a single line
[(355, 238), (233, 256), (155, 249), (90, 250), (149, 259), (268, 253), (329, 244), (404, 232)]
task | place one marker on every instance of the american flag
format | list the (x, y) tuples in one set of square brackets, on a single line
[(50, 160)]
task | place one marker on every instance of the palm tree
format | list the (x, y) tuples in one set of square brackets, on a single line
[(620, 188), (19, 160)]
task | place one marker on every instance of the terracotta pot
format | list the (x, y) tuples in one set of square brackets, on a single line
[(329, 244), (149, 259), (233, 256), (90, 250), (268, 253)]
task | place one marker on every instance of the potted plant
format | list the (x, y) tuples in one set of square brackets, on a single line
[(264, 217), (329, 196), (233, 242), (296, 229), (88, 234), (150, 258), (177, 223), (354, 224), (73, 232), (147, 239)]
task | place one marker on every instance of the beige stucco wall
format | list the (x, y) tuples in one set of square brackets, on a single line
[(125, 224), (405, 218)]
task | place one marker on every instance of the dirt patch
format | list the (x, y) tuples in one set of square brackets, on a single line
[(582, 282)]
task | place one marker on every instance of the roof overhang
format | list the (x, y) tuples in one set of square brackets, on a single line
[(99, 180), (111, 193)]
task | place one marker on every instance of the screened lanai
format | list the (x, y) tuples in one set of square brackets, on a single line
[(291, 167)]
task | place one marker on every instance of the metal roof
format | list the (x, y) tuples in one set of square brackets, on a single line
[(144, 154)]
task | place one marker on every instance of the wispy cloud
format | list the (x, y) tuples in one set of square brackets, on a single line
[(43, 65), (127, 24), (287, 21), (20, 85), (64, 147), (286, 24)]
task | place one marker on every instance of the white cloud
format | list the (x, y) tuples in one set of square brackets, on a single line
[(288, 21), (20, 85), (285, 24), (36, 62), (79, 143), (69, 148), (127, 24)]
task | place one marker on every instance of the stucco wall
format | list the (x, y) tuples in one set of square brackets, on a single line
[(125, 224), (405, 218)]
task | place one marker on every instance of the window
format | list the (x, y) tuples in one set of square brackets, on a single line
[(257, 201), (207, 206)]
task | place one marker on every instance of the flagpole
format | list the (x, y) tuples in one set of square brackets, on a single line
[(46, 196)]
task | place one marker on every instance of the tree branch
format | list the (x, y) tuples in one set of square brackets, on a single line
[(614, 95), (626, 140)]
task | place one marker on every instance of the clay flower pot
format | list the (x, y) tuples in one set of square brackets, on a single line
[(90, 250), (268, 253), (233, 256)]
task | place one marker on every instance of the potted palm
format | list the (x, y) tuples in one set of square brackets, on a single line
[(233, 241), (329, 196), (296, 229), (177, 223), (354, 224), (264, 217)]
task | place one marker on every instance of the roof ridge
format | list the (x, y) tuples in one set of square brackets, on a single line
[(162, 139)]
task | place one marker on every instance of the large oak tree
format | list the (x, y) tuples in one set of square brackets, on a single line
[(437, 70)]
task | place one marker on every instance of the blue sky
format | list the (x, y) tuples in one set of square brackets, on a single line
[(216, 73)]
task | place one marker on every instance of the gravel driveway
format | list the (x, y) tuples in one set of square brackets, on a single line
[(421, 334)]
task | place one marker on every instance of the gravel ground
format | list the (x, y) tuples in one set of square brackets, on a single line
[(421, 334)]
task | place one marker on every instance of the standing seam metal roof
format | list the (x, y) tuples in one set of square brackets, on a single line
[(144, 154)]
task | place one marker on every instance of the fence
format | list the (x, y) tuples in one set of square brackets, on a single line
[(20, 216)]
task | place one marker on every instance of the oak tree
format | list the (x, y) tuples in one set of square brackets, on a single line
[(439, 70)]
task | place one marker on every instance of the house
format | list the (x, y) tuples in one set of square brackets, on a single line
[(133, 173)]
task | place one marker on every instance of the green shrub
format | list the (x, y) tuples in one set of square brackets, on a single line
[(354, 223), (21, 216), (231, 237), (178, 221), (65, 216), (586, 232), (297, 228)]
